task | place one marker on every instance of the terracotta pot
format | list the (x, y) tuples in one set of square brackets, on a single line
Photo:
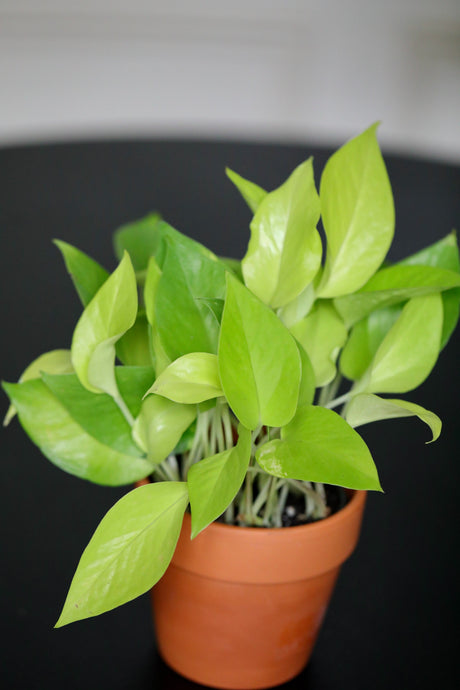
[(241, 607)]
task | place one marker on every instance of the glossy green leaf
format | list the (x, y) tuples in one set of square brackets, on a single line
[(54, 362), (358, 215), (132, 382), (319, 446), (140, 239), (160, 426), (187, 276), (97, 414), (442, 254), (107, 317), (298, 309), (284, 251), (214, 482), (393, 285), (216, 306), (87, 275), (233, 265), (65, 443), (307, 381), (409, 350), (150, 289), (259, 363), (251, 192), (363, 409), (192, 378), (129, 551), (322, 334), (365, 339), (133, 348)]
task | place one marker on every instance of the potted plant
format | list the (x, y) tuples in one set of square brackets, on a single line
[(235, 388)]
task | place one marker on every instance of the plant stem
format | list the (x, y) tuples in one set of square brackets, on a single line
[(338, 401), (124, 409)]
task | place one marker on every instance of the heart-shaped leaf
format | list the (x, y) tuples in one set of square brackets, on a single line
[(393, 285), (98, 414), (319, 446), (106, 318), (358, 215), (192, 378), (363, 409), (259, 363), (187, 276), (284, 252), (87, 275), (65, 443), (54, 362), (160, 425), (365, 339), (322, 333), (409, 350), (214, 482), (129, 551), (251, 192)]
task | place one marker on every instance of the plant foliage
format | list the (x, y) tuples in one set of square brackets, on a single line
[(230, 387)]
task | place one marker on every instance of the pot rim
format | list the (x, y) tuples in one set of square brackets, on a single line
[(357, 497), (271, 555)]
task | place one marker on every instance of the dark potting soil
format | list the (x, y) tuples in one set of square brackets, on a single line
[(294, 512)]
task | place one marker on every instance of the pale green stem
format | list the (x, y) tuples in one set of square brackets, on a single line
[(227, 423), (281, 504), (320, 505), (124, 409), (261, 498), (269, 503), (338, 401)]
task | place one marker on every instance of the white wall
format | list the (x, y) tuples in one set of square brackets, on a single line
[(262, 69)]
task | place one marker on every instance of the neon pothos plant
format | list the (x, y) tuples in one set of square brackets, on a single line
[(227, 389)]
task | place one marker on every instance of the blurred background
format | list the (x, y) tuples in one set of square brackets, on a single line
[(279, 70)]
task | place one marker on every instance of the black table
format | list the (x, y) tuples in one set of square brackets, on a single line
[(394, 615)]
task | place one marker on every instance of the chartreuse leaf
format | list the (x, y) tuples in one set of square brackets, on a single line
[(392, 285), (307, 381), (160, 425), (87, 275), (187, 276), (65, 443), (296, 310), (319, 446), (214, 482), (251, 192), (140, 239), (98, 415), (363, 409), (129, 551), (358, 214), (284, 251), (150, 289), (54, 362), (442, 254), (409, 350), (365, 339), (192, 378), (259, 363), (322, 334), (106, 318), (133, 348), (233, 265)]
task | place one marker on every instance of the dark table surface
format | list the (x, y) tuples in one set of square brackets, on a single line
[(393, 619)]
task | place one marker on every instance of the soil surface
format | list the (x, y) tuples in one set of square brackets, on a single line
[(294, 512)]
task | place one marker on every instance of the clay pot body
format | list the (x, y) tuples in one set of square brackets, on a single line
[(242, 607)]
